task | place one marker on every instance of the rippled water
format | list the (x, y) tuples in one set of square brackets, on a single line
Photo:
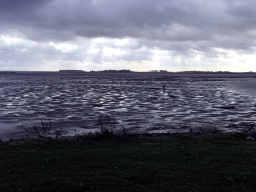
[(74, 103)]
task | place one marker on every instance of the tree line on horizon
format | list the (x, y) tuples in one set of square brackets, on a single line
[(165, 71), (126, 71)]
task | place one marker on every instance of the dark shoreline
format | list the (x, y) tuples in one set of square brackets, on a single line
[(134, 74), (247, 131)]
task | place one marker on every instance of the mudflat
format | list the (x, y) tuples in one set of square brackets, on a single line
[(138, 102)]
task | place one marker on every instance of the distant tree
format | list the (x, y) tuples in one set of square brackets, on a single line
[(153, 71)]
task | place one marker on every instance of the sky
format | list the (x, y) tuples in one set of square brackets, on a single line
[(139, 35)]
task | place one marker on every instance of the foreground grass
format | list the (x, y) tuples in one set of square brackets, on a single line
[(173, 163)]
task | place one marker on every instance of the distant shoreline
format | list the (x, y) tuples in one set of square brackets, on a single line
[(81, 73)]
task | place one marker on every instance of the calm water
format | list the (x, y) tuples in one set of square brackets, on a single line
[(137, 103)]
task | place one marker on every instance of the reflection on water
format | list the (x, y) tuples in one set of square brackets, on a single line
[(245, 86), (70, 102)]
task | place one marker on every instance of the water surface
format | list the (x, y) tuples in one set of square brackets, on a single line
[(74, 103)]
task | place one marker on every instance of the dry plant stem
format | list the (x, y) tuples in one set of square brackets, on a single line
[(44, 130), (107, 124)]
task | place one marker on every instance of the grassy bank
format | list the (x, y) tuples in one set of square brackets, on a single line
[(164, 163)]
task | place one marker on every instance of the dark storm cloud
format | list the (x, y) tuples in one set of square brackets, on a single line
[(182, 27), (16, 5), (225, 23), (23, 12), (94, 18)]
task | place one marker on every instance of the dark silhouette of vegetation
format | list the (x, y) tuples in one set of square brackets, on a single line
[(44, 130), (107, 124), (113, 71)]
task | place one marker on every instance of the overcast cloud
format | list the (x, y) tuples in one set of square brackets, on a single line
[(139, 35)]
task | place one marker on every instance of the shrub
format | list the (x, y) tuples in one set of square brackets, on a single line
[(43, 130), (208, 128), (107, 124)]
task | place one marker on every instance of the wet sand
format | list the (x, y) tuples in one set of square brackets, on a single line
[(139, 103)]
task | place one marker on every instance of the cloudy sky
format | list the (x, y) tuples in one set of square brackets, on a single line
[(140, 35)]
